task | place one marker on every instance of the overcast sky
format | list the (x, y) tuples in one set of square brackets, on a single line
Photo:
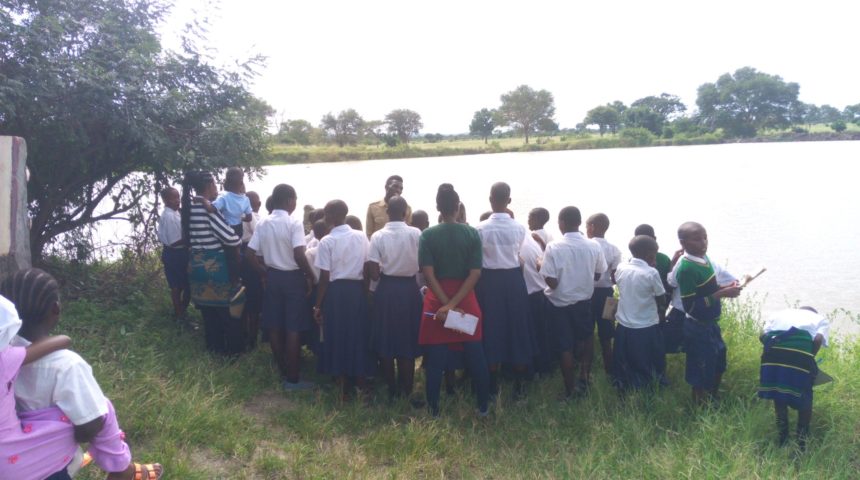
[(447, 59)]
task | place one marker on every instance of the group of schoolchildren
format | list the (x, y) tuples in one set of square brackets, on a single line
[(355, 298)]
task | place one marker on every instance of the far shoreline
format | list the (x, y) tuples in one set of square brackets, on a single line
[(284, 154)]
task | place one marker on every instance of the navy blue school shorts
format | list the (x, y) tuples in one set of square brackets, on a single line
[(175, 261), (706, 353), (605, 328), (571, 323)]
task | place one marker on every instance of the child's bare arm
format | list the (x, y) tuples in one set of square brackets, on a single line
[(45, 346), (206, 204), (87, 432)]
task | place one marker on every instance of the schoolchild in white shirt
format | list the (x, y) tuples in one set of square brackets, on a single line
[(502, 293), (250, 277), (174, 251), (341, 306), (639, 357), (279, 239), (538, 218), (396, 316), (531, 255), (595, 228), (570, 267)]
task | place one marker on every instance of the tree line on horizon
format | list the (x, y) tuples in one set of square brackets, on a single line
[(739, 105)]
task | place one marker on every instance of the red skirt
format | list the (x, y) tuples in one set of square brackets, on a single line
[(432, 331)]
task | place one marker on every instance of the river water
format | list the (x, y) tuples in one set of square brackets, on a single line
[(790, 207)]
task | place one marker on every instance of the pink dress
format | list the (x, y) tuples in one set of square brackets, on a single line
[(35, 448)]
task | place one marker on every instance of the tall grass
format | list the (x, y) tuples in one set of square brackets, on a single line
[(204, 417)]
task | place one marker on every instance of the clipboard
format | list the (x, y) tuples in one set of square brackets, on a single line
[(461, 322)]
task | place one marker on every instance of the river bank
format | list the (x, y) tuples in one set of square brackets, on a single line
[(281, 154), (205, 417)]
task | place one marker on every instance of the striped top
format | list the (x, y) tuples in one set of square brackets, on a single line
[(209, 231)]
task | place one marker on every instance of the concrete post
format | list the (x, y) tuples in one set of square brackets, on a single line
[(14, 228)]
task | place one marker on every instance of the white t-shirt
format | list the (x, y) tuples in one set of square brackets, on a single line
[(62, 379), (169, 229), (395, 249), (248, 228), (544, 235), (613, 258), (531, 254), (276, 238), (311, 255), (342, 253), (801, 319), (638, 286), (573, 261), (501, 238)]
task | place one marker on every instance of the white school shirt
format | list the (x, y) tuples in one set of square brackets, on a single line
[(801, 319), (573, 260), (342, 253), (723, 278), (501, 239), (309, 238), (248, 228), (169, 229), (613, 258), (395, 249), (531, 254), (638, 285), (311, 255), (62, 379), (544, 235), (275, 239)]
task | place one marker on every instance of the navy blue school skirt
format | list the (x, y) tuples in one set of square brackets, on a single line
[(673, 331), (175, 261), (285, 306), (346, 331), (638, 357), (503, 298), (545, 351), (396, 309)]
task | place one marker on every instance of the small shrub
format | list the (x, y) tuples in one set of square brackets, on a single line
[(636, 137), (838, 126)]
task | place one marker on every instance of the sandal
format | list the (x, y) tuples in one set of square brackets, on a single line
[(86, 460), (148, 471)]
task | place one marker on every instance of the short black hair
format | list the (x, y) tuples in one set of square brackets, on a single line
[(233, 176), (397, 206), (500, 192), (166, 190), (447, 199), (281, 194), (540, 214), (268, 204), (570, 216), (34, 292), (599, 220), (316, 214), (337, 209), (687, 227), (645, 229), (393, 177), (353, 222), (320, 229), (642, 245)]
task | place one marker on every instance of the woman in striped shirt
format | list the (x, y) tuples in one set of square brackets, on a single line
[(211, 289)]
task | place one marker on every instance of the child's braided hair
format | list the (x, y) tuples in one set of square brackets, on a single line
[(34, 292)]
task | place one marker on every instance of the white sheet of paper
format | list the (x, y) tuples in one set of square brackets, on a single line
[(461, 322)]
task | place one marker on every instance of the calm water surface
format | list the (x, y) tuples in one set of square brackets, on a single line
[(790, 207)]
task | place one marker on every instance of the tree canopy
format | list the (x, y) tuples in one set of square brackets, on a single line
[(345, 129), (403, 124), (526, 109), (108, 114), (747, 101), (483, 123), (606, 117)]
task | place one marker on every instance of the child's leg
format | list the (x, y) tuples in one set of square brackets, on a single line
[(804, 418), (278, 342), (406, 375), (480, 373), (176, 299), (389, 375), (294, 356), (567, 372), (781, 410), (435, 357), (450, 380)]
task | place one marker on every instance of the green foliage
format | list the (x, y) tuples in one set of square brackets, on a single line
[(403, 124), (747, 101), (852, 114), (828, 114), (636, 137), (526, 109), (344, 129), (606, 117), (87, 84), (299, 132), (204, 417), (667, 106), (483, 123), (838, 126), (643, 117), (433, 137)]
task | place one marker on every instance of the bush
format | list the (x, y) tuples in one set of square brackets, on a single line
[(668, 132), (636, 137), (838, 126), (799, 130)]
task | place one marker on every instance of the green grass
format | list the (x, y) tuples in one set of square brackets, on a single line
[(204, 417)]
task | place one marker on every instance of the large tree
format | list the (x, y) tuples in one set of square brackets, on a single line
[(747, 101), (606, 117), (108, 115), (299, 132), (345, 129), (525, 109), (852, 113), (666, 105), (403, 124), (483, 123)]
